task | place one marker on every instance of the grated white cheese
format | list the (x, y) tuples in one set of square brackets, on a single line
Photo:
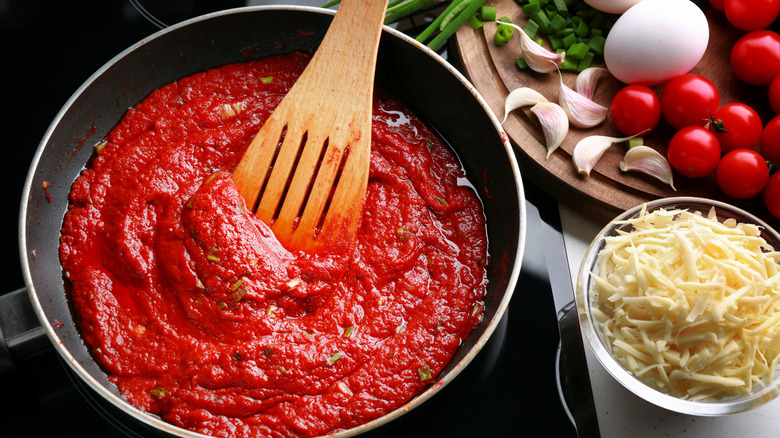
[(690, 305)]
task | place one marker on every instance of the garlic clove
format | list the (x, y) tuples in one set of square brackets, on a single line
[(582, 112), (555, 124), (521, 97), (589, 150), (647, 160), (587, 79), (537, 57)]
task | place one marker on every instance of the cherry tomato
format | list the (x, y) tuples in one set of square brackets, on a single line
[(774, 94), (772, 195), (755, 58), (689, 100), (693, 151), (751, 14), (742, 173), (770, 141), (737, 126), (717, 5), (635, 109)]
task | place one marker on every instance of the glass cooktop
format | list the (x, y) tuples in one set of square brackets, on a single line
[(519, 385)]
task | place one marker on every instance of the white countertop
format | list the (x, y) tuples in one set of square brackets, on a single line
[(620, 413)]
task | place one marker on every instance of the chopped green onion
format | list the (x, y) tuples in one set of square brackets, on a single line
[(335, 357), (542, 20), (555, 42), (521, 63), (568, 40), (424, 373), (158, 392), (474, 22), (267, 79), (487, 13), (596, 43), (560, 6), (569, 64), (577, 51), (531, 8), (531, 29), (585, 62), (580, 26), (557, 23), (636, 141), (504, 33)]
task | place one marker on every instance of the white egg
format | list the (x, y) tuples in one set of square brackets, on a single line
[(656, 40), (612, 6)]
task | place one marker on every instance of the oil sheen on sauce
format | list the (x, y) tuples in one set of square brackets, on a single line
[(200, 316)]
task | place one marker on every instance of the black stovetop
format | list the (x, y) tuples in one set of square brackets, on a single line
[(49, 48)]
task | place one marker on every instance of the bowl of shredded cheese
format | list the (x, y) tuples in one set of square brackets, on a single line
[(679, 299)]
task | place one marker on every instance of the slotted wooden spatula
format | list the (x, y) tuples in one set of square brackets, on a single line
[(311, 189)]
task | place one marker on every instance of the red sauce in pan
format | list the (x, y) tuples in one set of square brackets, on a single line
[(200, 316)]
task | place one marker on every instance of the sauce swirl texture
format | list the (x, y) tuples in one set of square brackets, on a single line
[(200, 316)]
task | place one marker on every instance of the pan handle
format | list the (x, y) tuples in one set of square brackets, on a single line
[(21, 334)]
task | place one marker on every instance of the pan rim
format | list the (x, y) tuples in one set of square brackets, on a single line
[(155, 421)]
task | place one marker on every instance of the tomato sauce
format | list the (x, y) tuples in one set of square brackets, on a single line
[(200, 316)]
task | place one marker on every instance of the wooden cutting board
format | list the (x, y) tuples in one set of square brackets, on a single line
[(607, 191)]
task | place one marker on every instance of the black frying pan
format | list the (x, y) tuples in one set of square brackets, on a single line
[(433, 89)]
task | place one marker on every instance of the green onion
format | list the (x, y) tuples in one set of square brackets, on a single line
[(596, 43), (474, 22), (237, 284), (436, 23), (577, 51), (636, 141), (580, 27), (557, 23), (560, 6), (459, 21), (520, 63), (335, 357), (348, 331), (569, 64), (532, 8), (158, 392), (531, 29), (267, 79), (424, 373), (400, 10), (585, 62), (459, 6), (542, 20), (487, 13), (504, 33)]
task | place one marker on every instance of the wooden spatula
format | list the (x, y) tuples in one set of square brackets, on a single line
[(311, 189)]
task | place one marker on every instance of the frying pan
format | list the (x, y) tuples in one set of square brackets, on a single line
[(427, 83)]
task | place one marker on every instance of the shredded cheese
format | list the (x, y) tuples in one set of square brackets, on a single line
[(690, 305)]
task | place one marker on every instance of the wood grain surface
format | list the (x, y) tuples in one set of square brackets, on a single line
[(607, 191)]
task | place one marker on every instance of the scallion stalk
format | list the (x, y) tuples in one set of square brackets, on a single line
[(456, 23)]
